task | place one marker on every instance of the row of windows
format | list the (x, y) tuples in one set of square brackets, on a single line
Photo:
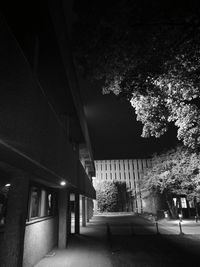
[(99, 166), (111, 176), (42, 202)]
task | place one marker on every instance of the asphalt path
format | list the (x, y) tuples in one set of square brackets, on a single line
[(126, 240)]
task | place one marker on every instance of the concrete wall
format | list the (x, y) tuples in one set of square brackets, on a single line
[(40, 238)]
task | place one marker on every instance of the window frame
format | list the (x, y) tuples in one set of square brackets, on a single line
[(54, 202)]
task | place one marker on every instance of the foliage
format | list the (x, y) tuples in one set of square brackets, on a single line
[(112, 196), (174, 172), (107, 196), (148, 52)]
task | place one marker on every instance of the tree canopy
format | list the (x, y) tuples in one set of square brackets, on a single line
[(174, 172), (148, 52)]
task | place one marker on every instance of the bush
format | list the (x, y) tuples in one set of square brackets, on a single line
[(107, 196), (112, 196)]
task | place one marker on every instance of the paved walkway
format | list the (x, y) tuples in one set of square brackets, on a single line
[(86, 250), (130, 241)]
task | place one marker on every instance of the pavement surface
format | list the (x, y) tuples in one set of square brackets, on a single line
[(127, 240)]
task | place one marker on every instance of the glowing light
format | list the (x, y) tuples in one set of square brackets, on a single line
[(62, 183), (7, 185)]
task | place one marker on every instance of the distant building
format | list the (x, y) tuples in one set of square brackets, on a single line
[(124, 170)]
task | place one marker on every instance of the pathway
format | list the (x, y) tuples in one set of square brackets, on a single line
[(129, 241)]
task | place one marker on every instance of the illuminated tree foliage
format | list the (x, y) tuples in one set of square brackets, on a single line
[(107, 194), (148, 52), (113, 196), (176, 172)]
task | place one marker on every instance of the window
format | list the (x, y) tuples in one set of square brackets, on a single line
[(174, 201), (183, 202), (4, 189), (43, 202), (35, 203)]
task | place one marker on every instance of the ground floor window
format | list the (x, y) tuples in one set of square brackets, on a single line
[(42, 202), (183, 202), (4, 189)]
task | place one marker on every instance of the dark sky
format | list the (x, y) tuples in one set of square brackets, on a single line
[(114, 131), (113, 128)]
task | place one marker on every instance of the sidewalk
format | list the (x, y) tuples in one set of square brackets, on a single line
[(86, 250)]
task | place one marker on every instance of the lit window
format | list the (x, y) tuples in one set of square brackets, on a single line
[(183, 202), (174, 201)]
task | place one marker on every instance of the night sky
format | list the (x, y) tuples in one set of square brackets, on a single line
[(114, 131)]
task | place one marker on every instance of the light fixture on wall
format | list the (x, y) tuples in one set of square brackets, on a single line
[(62, 183)]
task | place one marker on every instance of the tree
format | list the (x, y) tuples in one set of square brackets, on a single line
[(148, 52), (174, 173), (107, 196), (113, 196)]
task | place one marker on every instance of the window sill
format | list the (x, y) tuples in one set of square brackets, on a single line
[(39, 219)]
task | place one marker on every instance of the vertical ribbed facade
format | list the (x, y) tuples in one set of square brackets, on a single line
[(124, 170)]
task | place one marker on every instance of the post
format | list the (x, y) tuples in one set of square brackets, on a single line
[(77, 214), (181, 232), (88, 209), (69, 217), (83, 212), (62, 227), (13, 243), (157, 231)]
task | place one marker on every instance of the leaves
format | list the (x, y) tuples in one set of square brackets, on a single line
[(148, 52), (176, 172)]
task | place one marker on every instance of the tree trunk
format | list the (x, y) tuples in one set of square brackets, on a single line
[(196, 206), (173, 215)]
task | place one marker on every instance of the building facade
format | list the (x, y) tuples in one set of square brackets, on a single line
[(124, 170), (46, 160)]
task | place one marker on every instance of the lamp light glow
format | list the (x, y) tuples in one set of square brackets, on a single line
[(62, 183), (7, 185)]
